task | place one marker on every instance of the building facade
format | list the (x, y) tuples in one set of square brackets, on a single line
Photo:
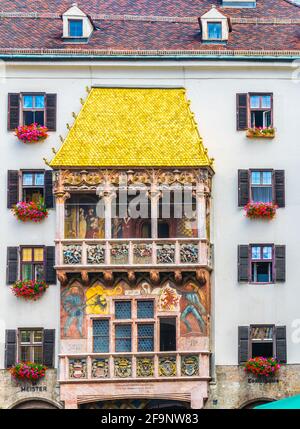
[(165, 310)]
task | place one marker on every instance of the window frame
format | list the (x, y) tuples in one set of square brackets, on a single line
[(273, 341), (70, 20), (109, 332), (31, 344), (260, 109), (32, 262), (221, 33), (22, 187), (262, 170), (133, 322), (252, 261), (33, 109)]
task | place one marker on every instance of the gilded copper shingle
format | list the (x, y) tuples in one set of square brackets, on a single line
[(128, 127)]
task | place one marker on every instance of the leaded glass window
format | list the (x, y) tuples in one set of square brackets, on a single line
[(101, 336), (123, 338)]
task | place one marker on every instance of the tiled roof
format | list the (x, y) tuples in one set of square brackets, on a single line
[(133, 127), (157, 25)]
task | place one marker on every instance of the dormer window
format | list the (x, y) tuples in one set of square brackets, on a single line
[(215, 26), (75, 28), (214, 30)]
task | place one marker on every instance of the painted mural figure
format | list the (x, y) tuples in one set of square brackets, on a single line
[(73, 304), (194, 307)]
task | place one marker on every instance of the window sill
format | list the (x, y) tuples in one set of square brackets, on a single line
[(259, 136)]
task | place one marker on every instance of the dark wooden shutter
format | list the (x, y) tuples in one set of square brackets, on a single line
[(48, 189), (13, 117), (241, 111), (280, 263), (51, 102), (12, 188), (48, 347), (10, 347), (281, 354), (243, 187), (243, 263), (279, 188), (12, 265), (243, 347), (50, 274)]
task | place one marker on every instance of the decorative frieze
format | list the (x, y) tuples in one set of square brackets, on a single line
[(142, 253), (96, 254), (77, 368), (145, 367), (72, 254), (119, 254), (123, 367), (189, 253), (189, 365), (100, 368), (166, 254), (167, 366), (81, 180)]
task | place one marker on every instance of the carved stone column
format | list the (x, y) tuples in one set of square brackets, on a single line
[(154, 195), (201, 210), (108, 195)]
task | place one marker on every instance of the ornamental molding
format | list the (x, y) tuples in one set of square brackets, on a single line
[(154, 18), (68, 180)]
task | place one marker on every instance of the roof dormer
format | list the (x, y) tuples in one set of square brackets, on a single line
[(239, 3), (215, 26), (77, 26)]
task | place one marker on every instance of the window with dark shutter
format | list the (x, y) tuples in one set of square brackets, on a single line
[(51, 103), (12, 188), (280, 188), (48, 189), (280, 263), (50, 276), (12, 265), (243, 263), (10, 347), (243, 187), (241, 111), (281, 352), (48, 347), (243, 346), (13, 120)]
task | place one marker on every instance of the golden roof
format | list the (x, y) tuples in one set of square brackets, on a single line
[(133, 127)]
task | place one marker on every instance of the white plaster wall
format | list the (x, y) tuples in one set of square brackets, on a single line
[(212, 90)]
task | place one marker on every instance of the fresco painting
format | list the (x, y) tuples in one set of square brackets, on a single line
[(194, 311), (97, 301), (73, 311)]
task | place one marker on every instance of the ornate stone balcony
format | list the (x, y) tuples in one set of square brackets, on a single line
[(94, 367), (138, 254)]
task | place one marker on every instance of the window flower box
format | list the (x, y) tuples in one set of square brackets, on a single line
[(30, 290), (260, 210), (31, 211), (33, 133), (261, 133), (262, 366), (28, 371)]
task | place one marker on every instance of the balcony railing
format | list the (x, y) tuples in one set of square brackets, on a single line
[(136, 253), (134, 366)]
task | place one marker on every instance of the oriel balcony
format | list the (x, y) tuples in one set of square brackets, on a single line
[(119, 254), (161, 236), (102, 367)]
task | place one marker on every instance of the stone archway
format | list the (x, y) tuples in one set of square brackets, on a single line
[(37, 404), (255, 402), (136, 404)]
